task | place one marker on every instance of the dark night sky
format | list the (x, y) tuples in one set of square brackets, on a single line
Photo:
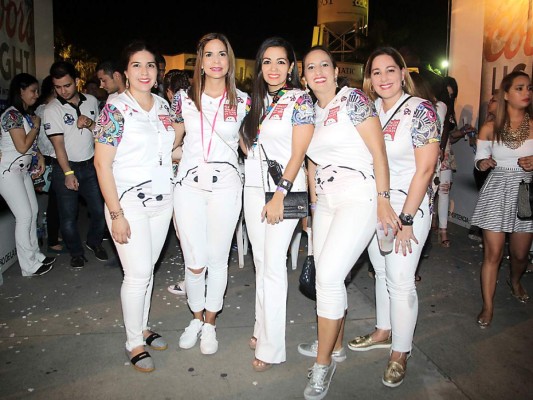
[(103, 27)]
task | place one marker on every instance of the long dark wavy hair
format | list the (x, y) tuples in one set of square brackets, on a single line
[(260, 87), (20, 82)]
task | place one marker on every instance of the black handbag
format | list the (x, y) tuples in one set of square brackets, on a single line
[(308, 277), (295, 204), (524, 210)]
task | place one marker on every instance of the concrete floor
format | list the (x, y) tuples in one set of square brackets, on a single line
[(61, 336)]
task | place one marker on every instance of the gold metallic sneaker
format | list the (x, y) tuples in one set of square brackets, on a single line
[(394, 374), (365, 343)]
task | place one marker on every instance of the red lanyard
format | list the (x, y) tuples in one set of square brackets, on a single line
[(212, 128)]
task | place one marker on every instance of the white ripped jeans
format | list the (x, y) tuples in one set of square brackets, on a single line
[(206, 224), (396, 297), (343, 224), (149, 227), (17, 190), (443, 202)]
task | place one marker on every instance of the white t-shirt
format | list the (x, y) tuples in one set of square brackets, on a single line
[(294, 108), (337, 148), (139, 136), (414, 125), (45, 145), (61, 117), (10, 159), (213, 138)]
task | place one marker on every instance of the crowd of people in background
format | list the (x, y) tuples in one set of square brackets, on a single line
[(147, 149)]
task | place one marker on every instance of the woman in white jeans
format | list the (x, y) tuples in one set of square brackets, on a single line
[(349, 187), (134, 140), (278, 127), (411, 132), (208, 191), (19, 130)]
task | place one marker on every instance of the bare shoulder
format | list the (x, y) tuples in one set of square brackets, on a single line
[(486, 132)]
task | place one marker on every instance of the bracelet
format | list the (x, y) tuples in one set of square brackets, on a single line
[(286, 184), (90, 123), (312, 206), (116, 214), (282, 190), (71, 172), (385, 194)]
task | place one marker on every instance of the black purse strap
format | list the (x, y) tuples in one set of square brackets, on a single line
[(395, 112)]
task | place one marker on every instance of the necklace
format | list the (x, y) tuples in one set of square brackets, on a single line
[(515, 139)]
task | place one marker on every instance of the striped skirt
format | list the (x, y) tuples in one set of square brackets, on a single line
[(497, 202)]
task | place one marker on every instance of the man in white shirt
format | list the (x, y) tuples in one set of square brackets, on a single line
[(68, 120), (111, 78)]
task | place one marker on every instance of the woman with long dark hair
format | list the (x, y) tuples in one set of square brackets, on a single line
[(504, 144)]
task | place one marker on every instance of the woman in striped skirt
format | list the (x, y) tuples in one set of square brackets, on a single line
[(506, 145)]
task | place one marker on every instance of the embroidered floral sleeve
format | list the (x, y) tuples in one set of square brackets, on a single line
[(425, 128), (304, 111), (110, 126), (359, 107), (176, 108), (12, 120)]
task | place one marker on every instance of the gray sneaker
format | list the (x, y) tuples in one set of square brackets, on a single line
[(319, 380), (310, 350)]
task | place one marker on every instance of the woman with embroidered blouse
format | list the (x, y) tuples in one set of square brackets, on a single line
[(18, 145), (134, 141), (411, 133)]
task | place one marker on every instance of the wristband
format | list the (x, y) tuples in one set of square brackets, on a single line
[(71, 172), (116, 214), (385, 194), (282, 190), (312, 206), (285, 184)]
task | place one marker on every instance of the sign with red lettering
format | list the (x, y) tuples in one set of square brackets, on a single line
[(17, 49), (507, 43)]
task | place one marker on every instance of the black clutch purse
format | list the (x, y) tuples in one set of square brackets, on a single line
[(295, 204), (524, 209)]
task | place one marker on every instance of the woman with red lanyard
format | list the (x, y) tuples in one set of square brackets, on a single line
[(208, 191)]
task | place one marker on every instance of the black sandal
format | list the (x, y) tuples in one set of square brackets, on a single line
[(156, 342), (142, 362)]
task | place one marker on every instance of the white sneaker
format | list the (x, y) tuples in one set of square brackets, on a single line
[(319, 380), (178, 288), (189, 337), (208, 339), (311, 349)]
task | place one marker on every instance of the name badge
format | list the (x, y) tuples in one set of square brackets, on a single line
[(252, 173), (161, 179), (205, 176)]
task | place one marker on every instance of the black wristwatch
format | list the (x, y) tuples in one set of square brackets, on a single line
[(407, 219)]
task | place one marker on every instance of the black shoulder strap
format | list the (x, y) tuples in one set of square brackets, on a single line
[(397, 109)]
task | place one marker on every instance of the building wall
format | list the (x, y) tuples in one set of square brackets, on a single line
[(44, 37)]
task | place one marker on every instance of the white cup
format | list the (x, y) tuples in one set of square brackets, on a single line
[(385, 241)]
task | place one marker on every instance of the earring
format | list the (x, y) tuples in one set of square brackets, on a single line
[(155, 84), (289, 78), (127, 83), (403, 82), (336, 84), (202, 71), (307, 90), (372, 89)]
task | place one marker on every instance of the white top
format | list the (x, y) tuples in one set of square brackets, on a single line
[(45, 145), (60, 118), (10, 159), (337, 148), (413, 125), (139, 137), (503, 155), (295, 107), (220, 134)]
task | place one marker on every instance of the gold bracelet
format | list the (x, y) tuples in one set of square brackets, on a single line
[(71, 172), (116, 214)]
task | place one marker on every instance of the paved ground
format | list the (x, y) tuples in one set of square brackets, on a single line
[(61, 336)]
